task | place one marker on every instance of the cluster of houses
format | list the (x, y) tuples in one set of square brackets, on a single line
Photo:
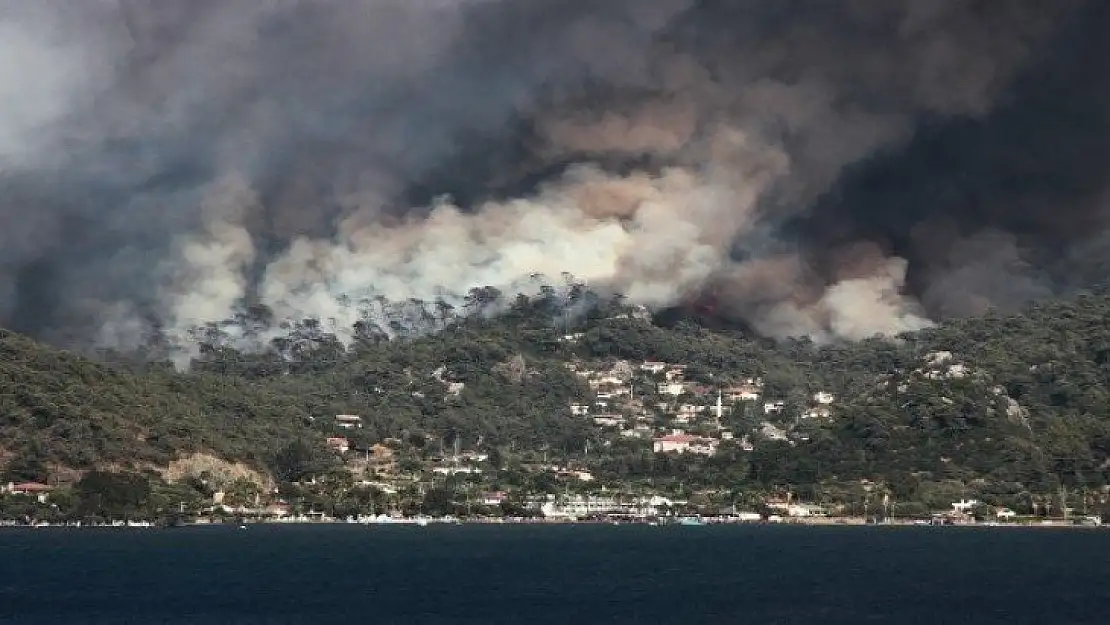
[(654, 400), (598, 503), (380, 458), (586, 506), (602, 506)]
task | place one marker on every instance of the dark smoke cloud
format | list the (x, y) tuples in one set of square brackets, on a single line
[(830, 169), (994, 210)]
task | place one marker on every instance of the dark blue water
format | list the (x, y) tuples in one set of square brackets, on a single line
[(557, 575)]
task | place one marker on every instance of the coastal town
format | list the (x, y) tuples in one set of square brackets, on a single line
[(493, 507), (654, 408)]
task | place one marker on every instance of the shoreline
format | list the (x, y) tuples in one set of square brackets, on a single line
[(518, 521)]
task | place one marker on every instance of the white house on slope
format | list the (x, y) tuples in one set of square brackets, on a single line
[(685, 443)]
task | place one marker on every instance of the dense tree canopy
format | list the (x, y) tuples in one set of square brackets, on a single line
[(1013, 403)]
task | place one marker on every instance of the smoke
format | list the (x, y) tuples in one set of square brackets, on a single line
[(211, 280), (836, 170)]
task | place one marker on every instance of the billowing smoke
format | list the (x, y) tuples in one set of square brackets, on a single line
[(830, 169)]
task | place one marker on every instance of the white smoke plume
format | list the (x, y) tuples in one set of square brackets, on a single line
[(660, 237), (862, 307), (211, 279), (654, 238), (307, 155)]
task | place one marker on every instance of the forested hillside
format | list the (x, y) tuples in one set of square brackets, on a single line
[(61, 410), (999, 404)]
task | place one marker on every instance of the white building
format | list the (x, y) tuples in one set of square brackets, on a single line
[(576, 474), (823, 398), (348, 421), (690, 410), (40, 492), (640, 431), (607, 380), (613, 392), (583, 506), (673, 389), (819, 412), (609, 420), (770, 432), (339, 444), (685, 443), (743, 392), (676, 373), (797, 510), (964, 506), (494, 498), (456, 470)]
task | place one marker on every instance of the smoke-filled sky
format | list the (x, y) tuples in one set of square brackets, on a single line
[(830, 169)]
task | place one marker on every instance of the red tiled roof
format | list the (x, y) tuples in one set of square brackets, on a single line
[(32, 487), (679, 438)]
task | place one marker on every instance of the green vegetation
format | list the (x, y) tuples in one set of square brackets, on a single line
[(60, 410), (1007, 409)]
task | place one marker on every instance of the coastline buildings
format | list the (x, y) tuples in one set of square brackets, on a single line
[(31, 489), (584, 506)]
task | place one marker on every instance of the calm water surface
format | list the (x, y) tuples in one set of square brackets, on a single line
[(580, 575)]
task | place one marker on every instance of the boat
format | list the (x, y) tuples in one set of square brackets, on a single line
[(689, 520)]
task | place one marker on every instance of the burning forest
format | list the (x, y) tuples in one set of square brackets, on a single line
[(805, 168)]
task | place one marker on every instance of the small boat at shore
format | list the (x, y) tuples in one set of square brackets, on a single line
[(690, 521)]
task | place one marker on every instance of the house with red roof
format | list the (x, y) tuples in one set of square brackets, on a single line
[(339, 444), (31, 489), (679, 443)]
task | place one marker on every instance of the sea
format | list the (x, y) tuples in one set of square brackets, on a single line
[(557, 575)]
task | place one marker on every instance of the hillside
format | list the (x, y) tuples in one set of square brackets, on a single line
[(59, 410), (998, 406)]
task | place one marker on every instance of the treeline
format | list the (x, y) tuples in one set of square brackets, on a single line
[(1030, 414), (107, 496), (58, 411), (63, 411)]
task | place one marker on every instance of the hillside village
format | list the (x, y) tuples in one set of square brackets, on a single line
[(652, 403), (647, 403), (653, 400), (625, 419)]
